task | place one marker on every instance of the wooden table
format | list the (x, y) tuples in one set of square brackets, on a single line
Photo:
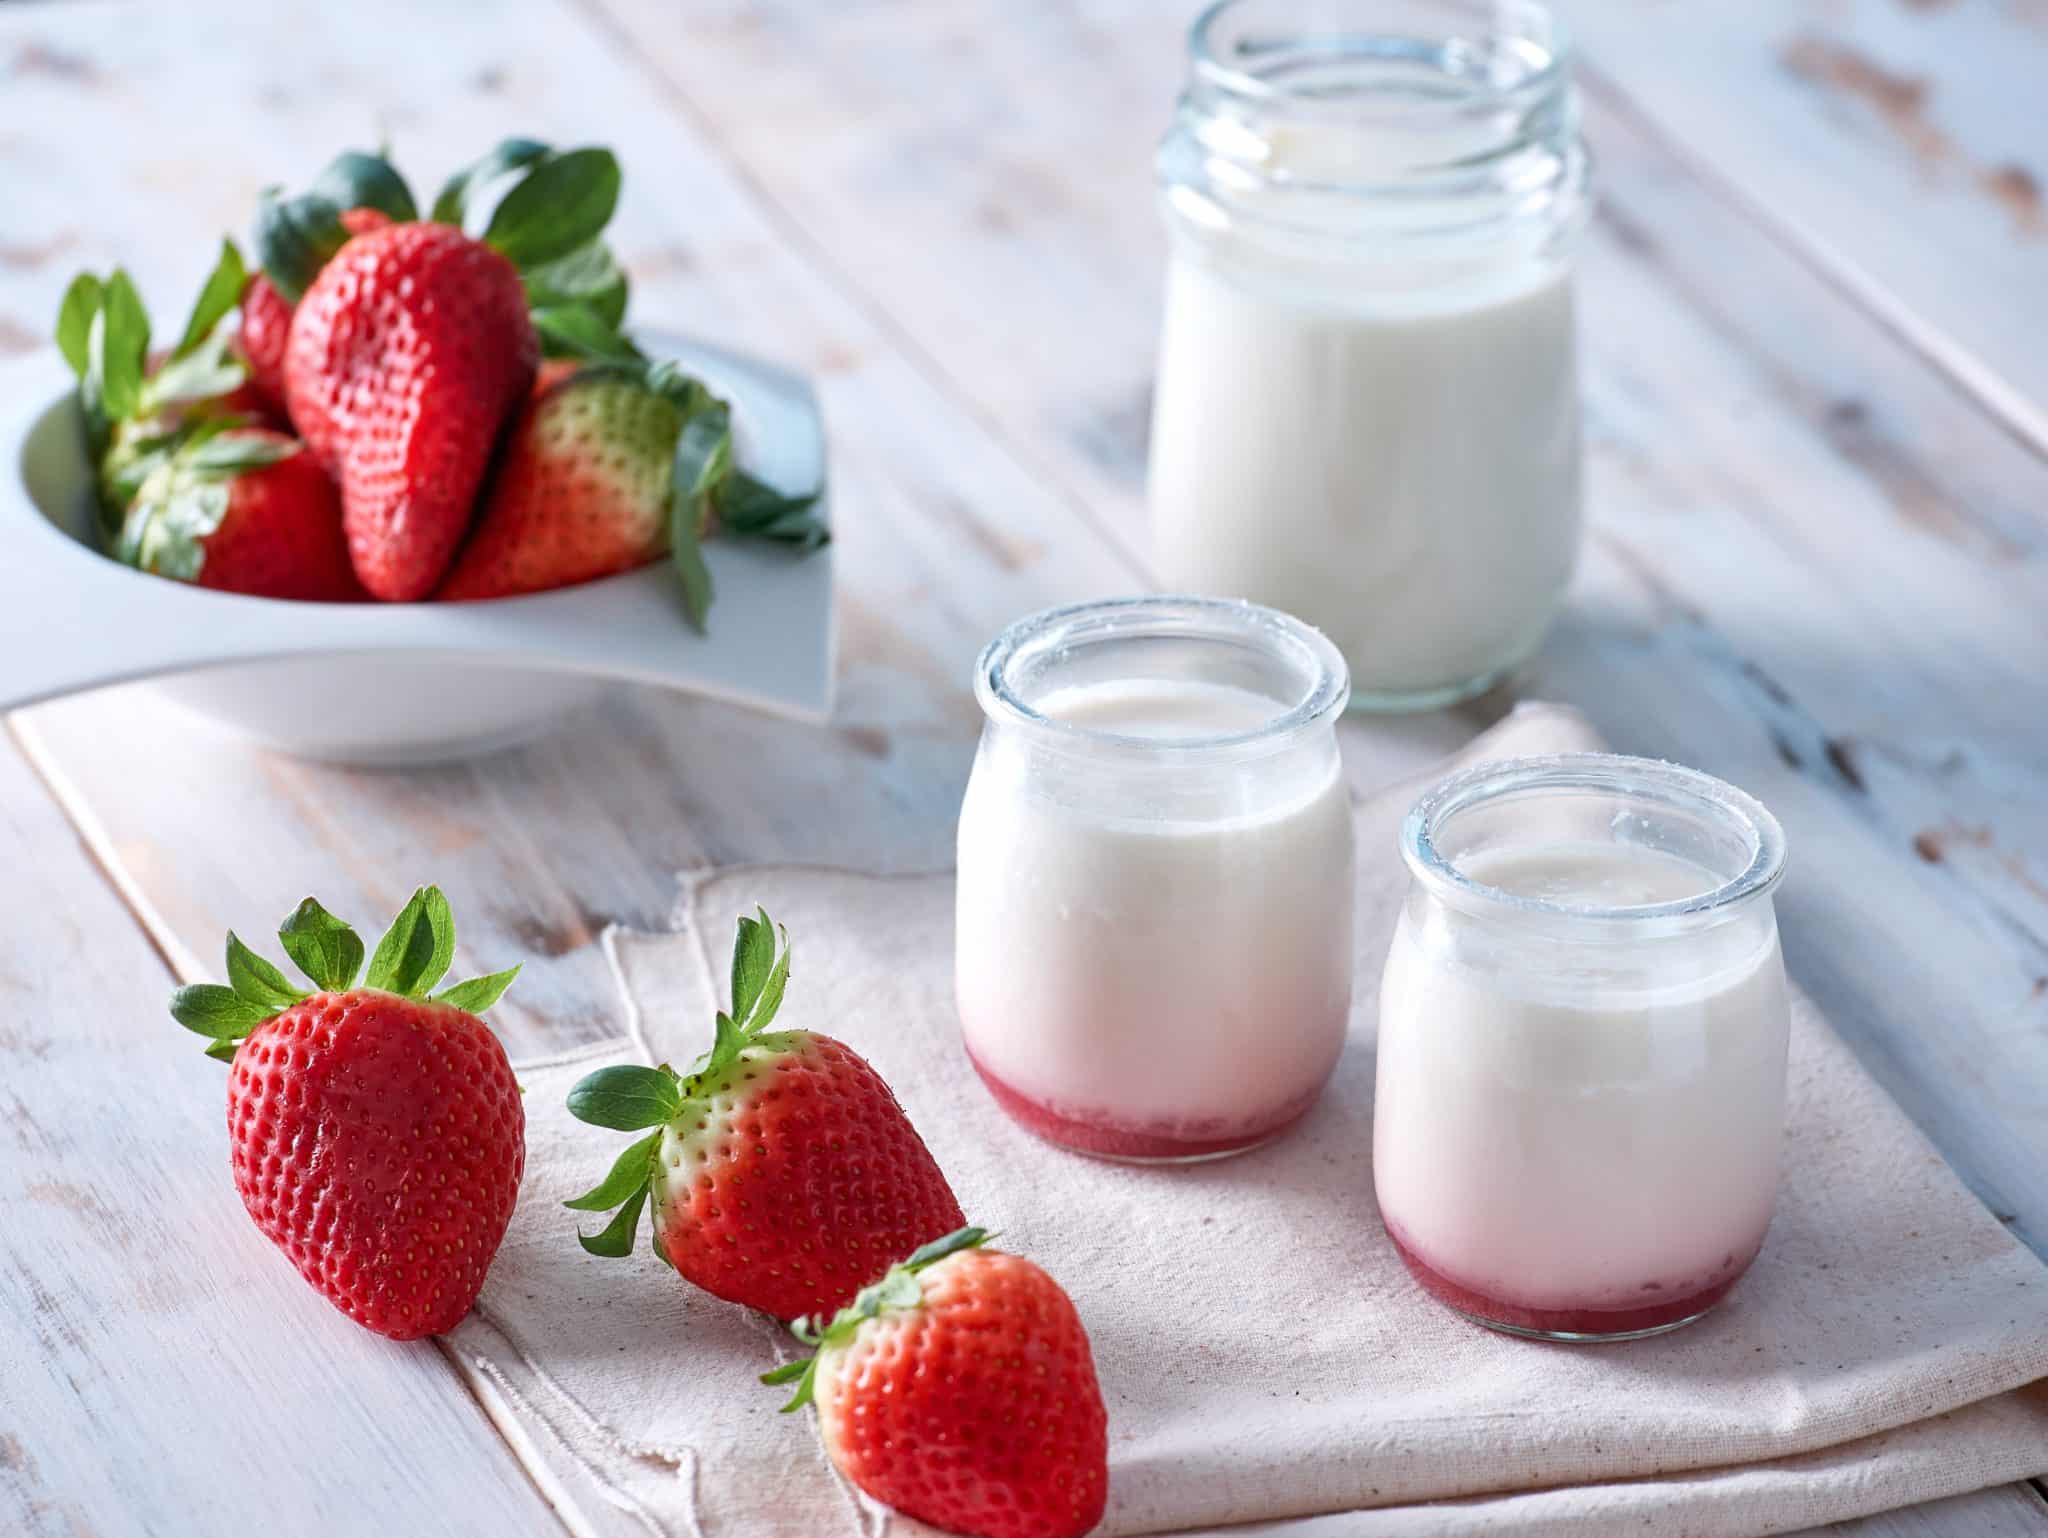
[(1816, 301)]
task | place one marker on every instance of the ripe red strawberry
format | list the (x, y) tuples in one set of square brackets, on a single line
[(376, 1133), (783, 1172), (266, 326), (267, 318), (960, 1390), (407, 354), (243, 510)]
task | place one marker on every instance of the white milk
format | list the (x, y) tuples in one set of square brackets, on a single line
[(1181, 971), (1566, 1142), (1400, 471)]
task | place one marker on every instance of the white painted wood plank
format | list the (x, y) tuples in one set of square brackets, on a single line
[(166, 1369), (1920, 177)]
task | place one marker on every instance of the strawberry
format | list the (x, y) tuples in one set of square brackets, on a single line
[(243, 510), (375, 1132), (266, 326), (267, 318), (553, 371), (581, 492), (621, 462), (782, 1171), (411, 347), (960, 1390), (406, 354), (138, 406)]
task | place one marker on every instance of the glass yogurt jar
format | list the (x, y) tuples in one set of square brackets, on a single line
[(1367, 411), (1583, 1020), (1154, 949)]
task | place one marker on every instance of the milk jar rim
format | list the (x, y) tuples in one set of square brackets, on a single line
[(1052, 636), (1644, 780), (1529, 20), (1214, 166)]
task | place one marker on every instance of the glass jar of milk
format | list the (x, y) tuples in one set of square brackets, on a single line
[(1367, 406), (1154, 948), (1583, 1021)]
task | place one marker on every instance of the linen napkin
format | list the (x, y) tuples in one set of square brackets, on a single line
[(1264, 1356)]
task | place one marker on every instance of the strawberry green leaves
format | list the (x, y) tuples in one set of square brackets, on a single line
[(626, 1188), (504, 157), (103, 332), (417, 949), (578, 331), (587, 279), (548, 221), (561, 203), (255, 979), (755, 966), (220, 293), (898, 1289), (295, 237), (354, 179), (703, 458), (746, 506), (76, 313), (760, 975), (322, 946), (413, 955), (176, 490), (628, 1097), (479, 993)]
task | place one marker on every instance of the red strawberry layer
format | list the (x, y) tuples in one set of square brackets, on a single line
[(1165, 1142), (1662, 1303)]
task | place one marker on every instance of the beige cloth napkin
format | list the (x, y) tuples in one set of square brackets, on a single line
[(1263, 1354)]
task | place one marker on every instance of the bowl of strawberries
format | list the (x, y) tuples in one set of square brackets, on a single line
[(404, 488)]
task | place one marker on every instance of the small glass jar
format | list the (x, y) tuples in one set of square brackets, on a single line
[(1581, 1078), (1367, 410), (1154, 949)]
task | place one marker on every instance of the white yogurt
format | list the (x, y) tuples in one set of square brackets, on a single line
[(1367, 403), (1402, 475), (1155, 965), (1600, 1133)]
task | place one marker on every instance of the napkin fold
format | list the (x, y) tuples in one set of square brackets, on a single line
[(1268, 1365)]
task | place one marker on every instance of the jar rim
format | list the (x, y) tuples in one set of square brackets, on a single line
[(1211, 68), (1648, 779), (1061, 630)]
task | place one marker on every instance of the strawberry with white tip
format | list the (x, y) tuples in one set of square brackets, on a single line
[(782, 1172), (612, 466)]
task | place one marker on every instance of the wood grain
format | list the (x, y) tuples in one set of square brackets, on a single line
[(1920, 182), (166, 1368)]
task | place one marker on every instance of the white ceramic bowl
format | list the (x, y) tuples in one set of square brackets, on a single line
[(402, 683)]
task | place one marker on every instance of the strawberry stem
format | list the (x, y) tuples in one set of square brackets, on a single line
[(413, 955), (897, 1289)]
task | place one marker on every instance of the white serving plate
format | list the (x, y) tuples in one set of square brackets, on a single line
[(403, 683)]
